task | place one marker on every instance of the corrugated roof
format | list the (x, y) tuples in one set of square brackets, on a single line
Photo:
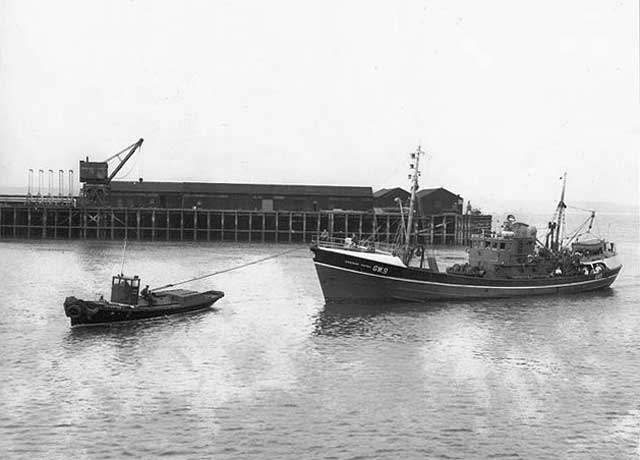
[(384, 191), (146, 187), (231, 189)]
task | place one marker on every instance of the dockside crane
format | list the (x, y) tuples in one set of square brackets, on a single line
[(96, 178)]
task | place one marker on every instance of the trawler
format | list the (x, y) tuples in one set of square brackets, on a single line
[(509, 262)]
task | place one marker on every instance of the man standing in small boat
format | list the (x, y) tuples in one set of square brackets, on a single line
[(147, 294)]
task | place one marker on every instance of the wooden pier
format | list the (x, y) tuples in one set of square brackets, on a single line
[(38, 221)]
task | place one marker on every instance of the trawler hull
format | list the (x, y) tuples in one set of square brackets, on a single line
[(346, 277)]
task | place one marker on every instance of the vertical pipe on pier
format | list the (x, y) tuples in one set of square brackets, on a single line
[(30, 181), (50, 182), (71, 182), (60, 182), (40, 181)]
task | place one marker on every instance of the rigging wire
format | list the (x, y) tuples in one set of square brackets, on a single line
[(225, 270), (579, 209)]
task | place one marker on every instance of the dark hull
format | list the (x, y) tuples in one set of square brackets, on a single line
[(83, 312), (347, 278)]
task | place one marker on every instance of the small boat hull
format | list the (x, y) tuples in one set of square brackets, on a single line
[(354, 278), (86, 312)]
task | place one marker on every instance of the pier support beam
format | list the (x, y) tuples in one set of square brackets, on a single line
[(153, 225), (29, 223), (208, 225)]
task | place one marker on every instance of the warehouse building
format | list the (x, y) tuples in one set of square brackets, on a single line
[(253, 197), (385, 199), (438, 201)]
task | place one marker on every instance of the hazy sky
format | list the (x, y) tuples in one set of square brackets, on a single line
[(504, 95)]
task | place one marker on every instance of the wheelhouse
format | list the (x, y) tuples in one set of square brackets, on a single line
[(125, 289)]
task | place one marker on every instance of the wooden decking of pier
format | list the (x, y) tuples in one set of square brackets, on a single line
[(64, 221)]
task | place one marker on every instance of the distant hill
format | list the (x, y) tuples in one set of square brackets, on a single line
[(538, 207)]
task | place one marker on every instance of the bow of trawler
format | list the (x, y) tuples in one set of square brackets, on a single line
[(349, 271)]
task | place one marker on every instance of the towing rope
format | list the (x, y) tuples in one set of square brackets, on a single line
[(226, 270)]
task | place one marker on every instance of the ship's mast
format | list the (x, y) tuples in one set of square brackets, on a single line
[(415, 174), (560, 213)]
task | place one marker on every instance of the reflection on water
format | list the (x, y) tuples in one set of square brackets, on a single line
[(272, 372)]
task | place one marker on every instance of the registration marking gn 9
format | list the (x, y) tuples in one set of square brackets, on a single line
[(381, 270)]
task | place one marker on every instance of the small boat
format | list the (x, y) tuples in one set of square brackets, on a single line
[(127, 303), (511, 262)]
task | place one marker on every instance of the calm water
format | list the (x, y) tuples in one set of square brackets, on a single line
[(273, 373)]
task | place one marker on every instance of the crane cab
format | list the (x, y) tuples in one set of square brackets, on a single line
[(125, 289)]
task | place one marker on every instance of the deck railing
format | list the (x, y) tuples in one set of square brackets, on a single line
[(360, 246)]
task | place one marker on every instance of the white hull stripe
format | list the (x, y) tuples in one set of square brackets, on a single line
[(480, 286)]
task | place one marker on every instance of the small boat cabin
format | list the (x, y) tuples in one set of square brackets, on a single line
[(125, 289)]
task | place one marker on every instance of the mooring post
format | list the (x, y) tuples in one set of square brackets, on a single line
[(250, 224), (264, 226), (360, 228), (277, 226), (15, 222), (290, 225), (318, 223)]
